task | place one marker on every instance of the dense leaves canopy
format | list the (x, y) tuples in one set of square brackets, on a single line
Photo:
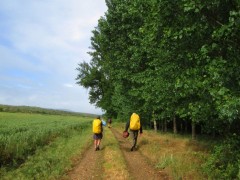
[(167, 58)]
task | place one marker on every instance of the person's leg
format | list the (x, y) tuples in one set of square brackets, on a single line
[(99, 138), (95, 144), (98, 144), (134, 135), (135, 138)]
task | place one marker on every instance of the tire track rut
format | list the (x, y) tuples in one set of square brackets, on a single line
[(139, 168), (89, 167)]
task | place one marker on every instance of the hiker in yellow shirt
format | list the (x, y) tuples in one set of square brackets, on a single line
[(134, 125)]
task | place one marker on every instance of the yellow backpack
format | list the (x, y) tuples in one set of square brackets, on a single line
[(97, 126), (134, 122)]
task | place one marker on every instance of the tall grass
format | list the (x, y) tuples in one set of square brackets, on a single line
[(21, 134), (52, 161), (177, 156)]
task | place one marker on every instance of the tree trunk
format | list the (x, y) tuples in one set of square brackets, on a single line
[(181, 128), (154, 122), (155, 125), (213, 133), (186, 127), (165, 125), (193, 131), (174, 125), (150, 123)]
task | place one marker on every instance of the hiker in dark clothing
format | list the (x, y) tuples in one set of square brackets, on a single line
[(109, 122), (134, 125)]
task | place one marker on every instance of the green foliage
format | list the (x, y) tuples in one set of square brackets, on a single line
[(167, 58), (223, 163)]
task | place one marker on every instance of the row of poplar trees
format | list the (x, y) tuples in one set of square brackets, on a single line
[(168, 60)]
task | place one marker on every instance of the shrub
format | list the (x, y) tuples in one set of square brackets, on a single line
[(223, 163)]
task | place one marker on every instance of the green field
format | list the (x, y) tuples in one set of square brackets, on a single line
[(32, 144)]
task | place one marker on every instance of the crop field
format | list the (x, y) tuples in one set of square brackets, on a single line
[(24, 135)]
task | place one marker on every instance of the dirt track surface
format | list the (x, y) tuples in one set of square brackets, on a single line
[(90, 166), (138, 167)]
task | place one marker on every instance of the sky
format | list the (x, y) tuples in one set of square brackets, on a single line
[(41, 44)]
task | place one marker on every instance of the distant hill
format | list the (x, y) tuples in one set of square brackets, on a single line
[(39, 110)]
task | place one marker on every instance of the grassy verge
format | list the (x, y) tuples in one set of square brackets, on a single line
[(51, 162), (114, 164), (178, 156)]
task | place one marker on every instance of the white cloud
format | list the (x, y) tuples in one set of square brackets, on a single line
[(42, 42), (68, 85)]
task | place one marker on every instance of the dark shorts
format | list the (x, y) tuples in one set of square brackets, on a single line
[(97, 136)]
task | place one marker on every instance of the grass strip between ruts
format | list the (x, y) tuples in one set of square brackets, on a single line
[(114, 164)]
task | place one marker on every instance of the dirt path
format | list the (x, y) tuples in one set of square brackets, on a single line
[(139, 168), (90, 166)]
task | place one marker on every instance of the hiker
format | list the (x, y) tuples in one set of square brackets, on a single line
[(109, 122), (103, 122), (97, 132), (135, 126)]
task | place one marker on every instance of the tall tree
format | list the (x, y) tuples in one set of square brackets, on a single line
[(175, 58)]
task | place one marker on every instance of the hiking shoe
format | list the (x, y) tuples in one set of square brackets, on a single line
[(132, 148), (98, 148)]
